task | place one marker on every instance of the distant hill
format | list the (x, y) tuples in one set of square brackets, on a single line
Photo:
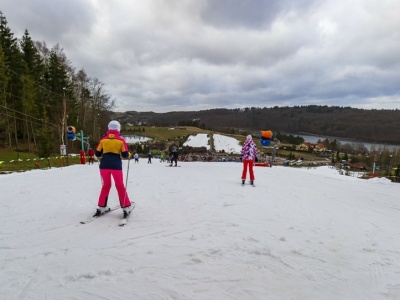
[(380, 126)]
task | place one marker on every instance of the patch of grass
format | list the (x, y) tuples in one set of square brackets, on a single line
[(10, 154), (13, 161)]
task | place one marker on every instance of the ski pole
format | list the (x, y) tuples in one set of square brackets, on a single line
[(126, 181), (101, 178)]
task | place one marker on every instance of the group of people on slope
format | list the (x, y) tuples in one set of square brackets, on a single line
[(112, 147), (173, 155)]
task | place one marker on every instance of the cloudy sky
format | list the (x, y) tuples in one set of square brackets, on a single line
[(167, 55)]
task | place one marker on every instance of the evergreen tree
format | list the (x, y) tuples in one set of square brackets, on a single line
[(45, 144), (4, 79), (82, 94), (346, 157), (57, 82), (39, 88), (32, 72), (398, 172), (14, 67)]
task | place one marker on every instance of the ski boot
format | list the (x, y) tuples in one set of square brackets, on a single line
[(101, 211)]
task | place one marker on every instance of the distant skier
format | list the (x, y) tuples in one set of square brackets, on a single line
[(248, 155), (174, 155), (111, 147), (149, 156), (136, 157)]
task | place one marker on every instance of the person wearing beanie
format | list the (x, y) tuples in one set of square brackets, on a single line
[(114, 125), (248, 156), (111, 148)]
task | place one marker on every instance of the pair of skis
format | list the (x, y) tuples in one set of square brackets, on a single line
[(252, 184), (122, 223)]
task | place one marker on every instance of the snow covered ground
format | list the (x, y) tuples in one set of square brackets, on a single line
[(196, 233), (198, 140), (226, 143), (221, 142)]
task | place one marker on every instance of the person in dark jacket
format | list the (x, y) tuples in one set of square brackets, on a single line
[(174, 155), (111, 148)]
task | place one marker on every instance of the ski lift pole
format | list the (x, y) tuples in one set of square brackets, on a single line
[(274, 151), (82, 140), (373, 171), (82, 154)]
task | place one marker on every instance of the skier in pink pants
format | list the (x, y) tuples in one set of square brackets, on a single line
[(248, 154), (111, 148)]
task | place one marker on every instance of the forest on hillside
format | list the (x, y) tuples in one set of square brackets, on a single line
[(379, 126), (41, 93)]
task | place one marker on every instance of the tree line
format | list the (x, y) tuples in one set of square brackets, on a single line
[(373, 125), (41, 93)]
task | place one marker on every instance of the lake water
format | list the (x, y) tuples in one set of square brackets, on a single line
[(133, 139), (368, 145)]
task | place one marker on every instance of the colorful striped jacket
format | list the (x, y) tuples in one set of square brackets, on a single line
[(111, 148)]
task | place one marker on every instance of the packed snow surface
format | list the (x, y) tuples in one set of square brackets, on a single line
[(226, 143), (198, 140), (196, 233), (221, 142)]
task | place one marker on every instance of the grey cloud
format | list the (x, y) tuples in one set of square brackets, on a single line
[(245, 13), (254, 14), (46, 19), (170, 55)]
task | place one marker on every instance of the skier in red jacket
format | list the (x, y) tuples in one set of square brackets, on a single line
[(91, 156)]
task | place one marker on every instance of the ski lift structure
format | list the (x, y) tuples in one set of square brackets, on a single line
[(266, 137), (72, 136)]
